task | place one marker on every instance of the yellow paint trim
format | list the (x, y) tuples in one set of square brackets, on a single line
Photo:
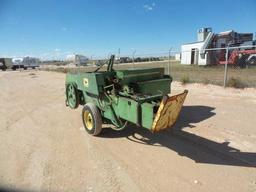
[(168, 111), (88, 120)]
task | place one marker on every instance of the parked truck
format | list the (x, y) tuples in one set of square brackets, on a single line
[(30, 62), (6, 63), (18, 63)]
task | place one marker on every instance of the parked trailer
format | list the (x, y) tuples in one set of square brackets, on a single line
[(18, 63), (30, 62)]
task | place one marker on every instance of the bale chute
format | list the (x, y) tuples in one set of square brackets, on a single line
[(168, 111)]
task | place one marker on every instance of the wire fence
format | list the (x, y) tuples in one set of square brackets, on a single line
[(226, 66), (236, 63), (233, 66)]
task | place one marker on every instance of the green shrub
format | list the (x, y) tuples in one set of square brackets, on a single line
[(185, 80), (206, 81), (235, 82)]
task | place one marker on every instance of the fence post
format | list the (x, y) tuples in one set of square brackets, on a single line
[(169, 61), (226, 68), (133, 58)]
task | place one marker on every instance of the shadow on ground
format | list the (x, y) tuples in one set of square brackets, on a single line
[(197, 148)]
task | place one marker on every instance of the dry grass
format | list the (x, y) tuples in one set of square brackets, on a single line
[(214, 74), (188, 73)]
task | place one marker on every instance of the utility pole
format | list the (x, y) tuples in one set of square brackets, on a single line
[(133, 54)]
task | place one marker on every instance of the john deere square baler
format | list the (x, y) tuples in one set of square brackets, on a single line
[(122, 97)]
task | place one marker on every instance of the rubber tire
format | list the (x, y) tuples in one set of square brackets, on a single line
[(96, 116), (77, 97), (252, 61)]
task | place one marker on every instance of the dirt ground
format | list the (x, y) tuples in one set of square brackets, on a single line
[(43, 146)]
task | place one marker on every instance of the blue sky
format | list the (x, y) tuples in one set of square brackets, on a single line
[(51, 28)]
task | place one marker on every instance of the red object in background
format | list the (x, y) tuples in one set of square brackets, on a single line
[(233, 58)]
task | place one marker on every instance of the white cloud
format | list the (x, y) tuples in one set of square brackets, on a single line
[(56, 50), (64, 28), (149, 7)]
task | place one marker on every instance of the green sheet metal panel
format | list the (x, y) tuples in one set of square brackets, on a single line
[(135, 75), (147, 115), (154, 87), (127, 109), (89, 82)]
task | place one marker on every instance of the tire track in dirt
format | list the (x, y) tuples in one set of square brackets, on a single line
[(105, 173)]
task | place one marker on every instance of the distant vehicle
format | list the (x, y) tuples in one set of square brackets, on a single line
[(77, 59), (138, 59), (18, 63), (125, 60), (6, 63), (99, 62), (30, 62)]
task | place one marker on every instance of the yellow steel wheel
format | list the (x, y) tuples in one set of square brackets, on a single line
[(88, 120), (92, 119)]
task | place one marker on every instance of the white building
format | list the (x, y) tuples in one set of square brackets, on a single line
[(177, 56), (197, 53), (194, 53)]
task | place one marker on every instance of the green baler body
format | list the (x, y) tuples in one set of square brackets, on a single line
[(134, 96)]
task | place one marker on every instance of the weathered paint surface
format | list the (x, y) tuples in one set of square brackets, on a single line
[(168, 111), (129, 95)]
